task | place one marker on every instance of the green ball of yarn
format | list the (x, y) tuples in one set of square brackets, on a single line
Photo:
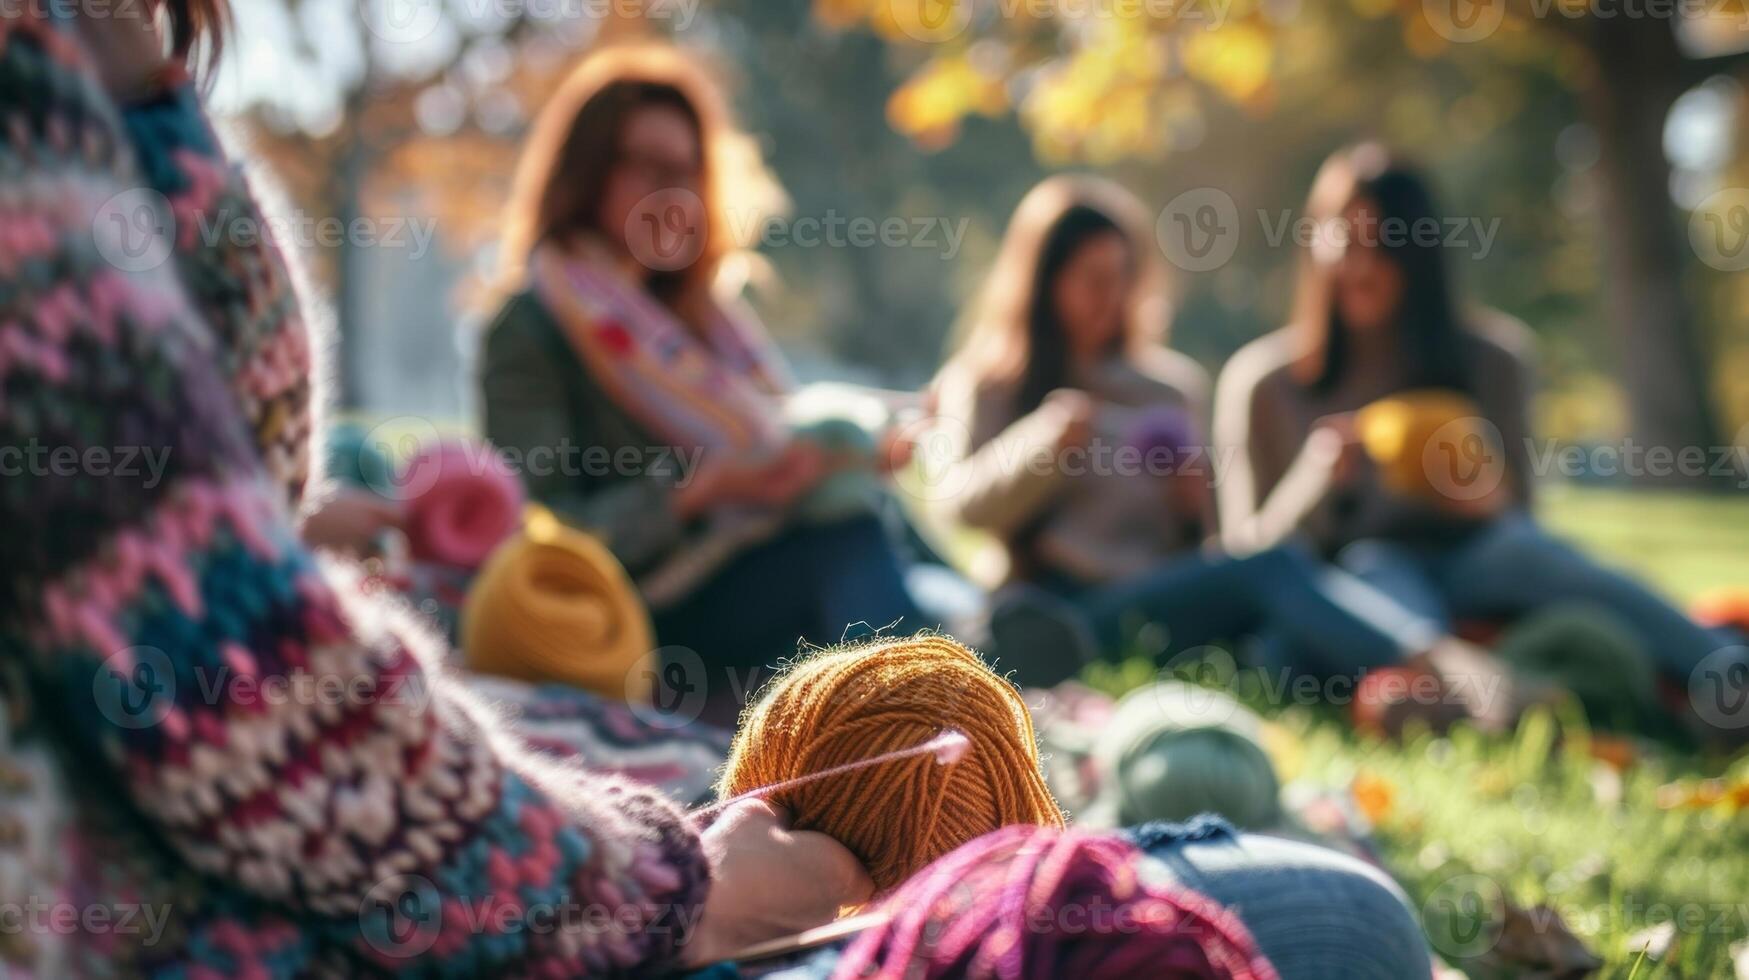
[(354, 458), (1172, 751), (838, 435), (850, 491), (1591, 652)]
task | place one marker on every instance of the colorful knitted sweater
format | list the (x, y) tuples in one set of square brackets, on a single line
[(263, 773)]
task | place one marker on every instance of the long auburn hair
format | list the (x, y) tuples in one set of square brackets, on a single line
[(1013, 335), (1429, 322), (574, 144)]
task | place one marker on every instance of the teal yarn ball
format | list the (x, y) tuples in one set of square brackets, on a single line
[(1592, 653), (836, 434), (855, 489), (1173, 751), (357, 460)]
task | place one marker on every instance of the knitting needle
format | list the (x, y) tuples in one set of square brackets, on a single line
[(948, 747), (817, 936)]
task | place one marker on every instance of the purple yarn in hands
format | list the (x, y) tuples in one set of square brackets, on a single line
[(1163, 428)]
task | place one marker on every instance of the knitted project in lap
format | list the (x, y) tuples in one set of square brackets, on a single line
[(251, 745)]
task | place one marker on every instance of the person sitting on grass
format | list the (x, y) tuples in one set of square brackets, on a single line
[(1383, 355), (1078, 442), (370, 816), (614, 337)]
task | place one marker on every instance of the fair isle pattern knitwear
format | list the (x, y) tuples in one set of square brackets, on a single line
[(254, 750)]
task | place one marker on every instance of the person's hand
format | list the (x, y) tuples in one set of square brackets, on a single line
[(775, 482), (769, 881), (1073, 412), (896, 445), (125, 46), (799, 468), (350, 521), (1190, 497), (1334, 446)]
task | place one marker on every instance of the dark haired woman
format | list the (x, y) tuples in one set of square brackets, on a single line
[(239, 762), (615, 341), (1377, 318), (1077, 443)]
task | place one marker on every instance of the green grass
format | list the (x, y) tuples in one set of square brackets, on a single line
[(1683, 544), (1533, 814)]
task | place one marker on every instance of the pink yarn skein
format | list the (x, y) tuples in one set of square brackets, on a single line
[(1038, 903), (463, 502)]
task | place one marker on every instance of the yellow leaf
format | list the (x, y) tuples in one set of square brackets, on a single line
[(1236, 59), (930, 105)]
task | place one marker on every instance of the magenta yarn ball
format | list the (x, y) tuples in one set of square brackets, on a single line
[(1039, 903)]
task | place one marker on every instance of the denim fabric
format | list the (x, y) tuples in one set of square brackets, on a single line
[(1327, 621), (1316, 914), (818, 583), (1513, 567)]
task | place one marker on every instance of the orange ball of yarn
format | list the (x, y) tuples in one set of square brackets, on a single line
[(846, 705)]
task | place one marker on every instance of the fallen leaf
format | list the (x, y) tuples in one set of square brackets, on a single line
[(1374, 795), (1537, 943), (1618, 753)]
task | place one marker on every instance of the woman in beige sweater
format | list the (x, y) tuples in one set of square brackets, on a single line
[(1077, 441), (1377, 317)]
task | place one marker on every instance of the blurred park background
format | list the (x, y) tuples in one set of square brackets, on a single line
[(1594, 156)]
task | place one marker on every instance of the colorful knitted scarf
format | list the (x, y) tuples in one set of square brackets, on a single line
[(715, 386)]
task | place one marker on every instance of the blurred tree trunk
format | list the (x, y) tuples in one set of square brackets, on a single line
[(1639, 73), (346, 193)]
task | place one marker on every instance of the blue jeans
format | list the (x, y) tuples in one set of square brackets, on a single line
[(818, 583), (1316, 618), (1513, 567), (1315, 913)]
